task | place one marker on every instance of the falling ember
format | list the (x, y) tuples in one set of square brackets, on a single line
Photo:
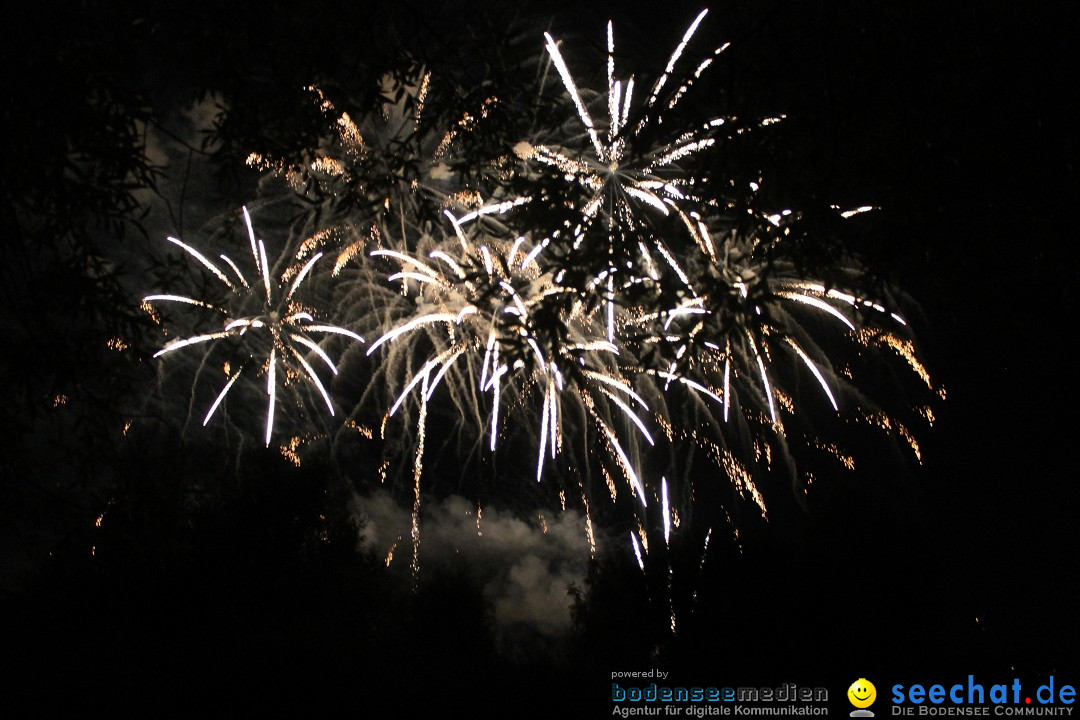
[(150, 310), (743, 481), (363, 430), (886, 423), (316, 242), (590, 533), (643, 536), (610, 481), (328, 166), (903, 347), (701, 563), (352, 251), (912, 443), (418, 468), (832, 449), (290, 451)]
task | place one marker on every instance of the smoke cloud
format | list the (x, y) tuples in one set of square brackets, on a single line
[(526, 567)]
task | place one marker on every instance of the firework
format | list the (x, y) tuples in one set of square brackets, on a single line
[(627, 175), (394, 166), (265, 321), (617, 174), (642, 315), (486, 313)]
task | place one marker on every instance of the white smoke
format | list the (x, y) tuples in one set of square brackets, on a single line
[(526, 567)]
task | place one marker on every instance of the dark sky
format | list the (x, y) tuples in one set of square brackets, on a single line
[(956, 121)]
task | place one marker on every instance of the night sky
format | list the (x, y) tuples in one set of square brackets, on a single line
[(210, 590)]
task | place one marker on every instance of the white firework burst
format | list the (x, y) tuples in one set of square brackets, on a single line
[(493, 324), (266, 316), (629, 174)]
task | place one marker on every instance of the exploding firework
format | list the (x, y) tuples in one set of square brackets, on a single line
[(622, 168), (268, 329), (645, 315), (513, 350), (758, 326), (626, 180), (392, 166)]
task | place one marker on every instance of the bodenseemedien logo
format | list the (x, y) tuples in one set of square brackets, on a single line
[(862, 694), (697, 701)]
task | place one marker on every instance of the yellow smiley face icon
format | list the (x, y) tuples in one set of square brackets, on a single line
[(862, 693)]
